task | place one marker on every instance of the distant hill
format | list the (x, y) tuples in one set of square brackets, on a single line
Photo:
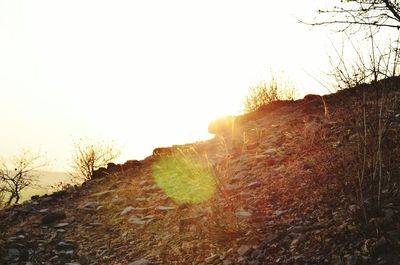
[(51, 177), (46, 179)]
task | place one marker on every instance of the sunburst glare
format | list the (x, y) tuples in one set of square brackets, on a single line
[(185, 178)]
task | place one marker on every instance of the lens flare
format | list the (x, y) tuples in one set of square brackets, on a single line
[(184, 178)]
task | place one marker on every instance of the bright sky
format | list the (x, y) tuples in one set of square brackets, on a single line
[(144, 73)]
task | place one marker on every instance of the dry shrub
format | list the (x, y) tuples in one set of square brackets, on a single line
[(91, 155), (18, 174), (266, 92), (370, 156)]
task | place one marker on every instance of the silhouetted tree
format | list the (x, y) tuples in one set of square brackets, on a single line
[(2, 195), (371, 13), (19, 174), (373, 113), (375, 60), (89, 156)]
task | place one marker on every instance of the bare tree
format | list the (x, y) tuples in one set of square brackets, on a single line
[(2, 195), (18, 175), (89, 156), (372, 13), (372, 114), (372, 63)]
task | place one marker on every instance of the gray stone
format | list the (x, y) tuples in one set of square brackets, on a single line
[(389, 214), (353, 208), (96, 224), (352, 260), (381, 244), (259, 157), (13, 252), (212, 259), (270, 151), (100, 173), (394, 235), (243, 250), (116, 200), (271, 238), (36, 223), (141, 262), (12, 239), (257, 254), (297, 229), (65, 246), (60, 225), (127, 210), (254, 185), (231, 187), (67, 252), (53, 216), (136, 220), (53, 258), (165, 208), (148, 217), (243, 214), (91, 206), (16, 245), (102, 193), (279, 213)]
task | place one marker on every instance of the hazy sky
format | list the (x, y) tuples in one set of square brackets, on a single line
[(144, 73)]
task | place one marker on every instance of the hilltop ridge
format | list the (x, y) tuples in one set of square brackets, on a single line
[(275, 186)]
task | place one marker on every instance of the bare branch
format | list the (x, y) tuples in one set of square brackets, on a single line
[(392, 8), (20, 176), (89, 156), (370, 13)]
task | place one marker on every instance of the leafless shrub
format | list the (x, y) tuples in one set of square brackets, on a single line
[(90, 156), (371, 65), (373, 116), (19, 174)]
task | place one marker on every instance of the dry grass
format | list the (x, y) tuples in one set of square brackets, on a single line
[(266, 92)]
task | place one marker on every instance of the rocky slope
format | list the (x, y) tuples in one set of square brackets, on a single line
[(281, 192)]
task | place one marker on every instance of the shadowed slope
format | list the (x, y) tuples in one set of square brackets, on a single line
[(283, 196)]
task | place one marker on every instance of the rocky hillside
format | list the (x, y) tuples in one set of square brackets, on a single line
[(277, 186)]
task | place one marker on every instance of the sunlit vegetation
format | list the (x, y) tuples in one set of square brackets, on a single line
[(266, 92)]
